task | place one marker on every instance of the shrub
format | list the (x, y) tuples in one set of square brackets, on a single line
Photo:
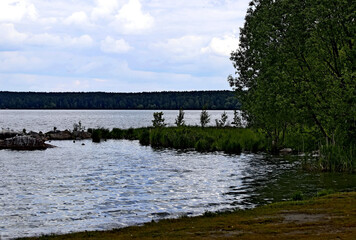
[(298, 196), (338, 158), (180, 118), (96, 135), (324, 192), (144, 137), (204, 117), (232, 146), (223, 121), (158, 120), (117, 133)]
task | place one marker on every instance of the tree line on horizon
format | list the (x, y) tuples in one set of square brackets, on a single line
[(190, 100)]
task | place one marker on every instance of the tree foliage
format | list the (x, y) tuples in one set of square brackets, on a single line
[(204, 117), (224, 100), (222, 121), (158, 120), (237, 120), (295, 67), (180, 118)]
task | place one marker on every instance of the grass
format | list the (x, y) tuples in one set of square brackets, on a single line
[(338, 158), (229, 140), (331, 216)]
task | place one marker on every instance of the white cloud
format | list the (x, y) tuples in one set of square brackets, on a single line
[(87, 40), (131, 19), (222, 46), (104, 9), (186, 46), (9, 35), (16, 10), (77, 18), (57, 41), (18, 62), (111, 45)]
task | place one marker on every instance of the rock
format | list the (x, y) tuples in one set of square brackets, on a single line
[(36, 135), (285, 151), (79, 135), (59, 135), (8, 134), (24, 143), (67, 135)]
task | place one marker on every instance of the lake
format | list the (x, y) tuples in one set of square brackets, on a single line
[(45, 120), (117, 183)]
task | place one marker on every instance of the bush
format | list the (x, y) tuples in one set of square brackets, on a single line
[(144, 137), (325, 192), (204, 117), (338, 158), (298, 196), (158, 120), (117, 133), (96, 135), (232, 146)]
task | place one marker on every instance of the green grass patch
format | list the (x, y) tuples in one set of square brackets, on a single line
[(229, 140)]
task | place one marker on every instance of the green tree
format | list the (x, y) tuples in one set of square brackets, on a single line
[(237, 121), (296, 67), (180, 118), (222, 121), (158, 120), (204, 117)]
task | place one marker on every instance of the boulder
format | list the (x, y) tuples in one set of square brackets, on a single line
[(286, 151), (78, 135), (24, 143), (59, 135), (5, 133), (36, 135)]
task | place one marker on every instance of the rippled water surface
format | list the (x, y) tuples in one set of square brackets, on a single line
[(77, 187)]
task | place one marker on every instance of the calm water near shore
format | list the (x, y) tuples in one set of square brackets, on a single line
[(77, 187)]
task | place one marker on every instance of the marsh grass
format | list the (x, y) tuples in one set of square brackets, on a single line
[(228, 139), (338, 158)]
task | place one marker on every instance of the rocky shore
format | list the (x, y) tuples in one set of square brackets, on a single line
[(36, 140)]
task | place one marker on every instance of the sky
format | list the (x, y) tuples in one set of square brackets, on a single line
[(118, 45)]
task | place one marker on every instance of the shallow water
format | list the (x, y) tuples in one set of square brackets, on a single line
[(77, 187)]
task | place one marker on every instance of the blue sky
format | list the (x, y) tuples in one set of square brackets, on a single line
[(118, 45)]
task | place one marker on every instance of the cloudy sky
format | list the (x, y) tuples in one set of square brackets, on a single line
[(118, 45)]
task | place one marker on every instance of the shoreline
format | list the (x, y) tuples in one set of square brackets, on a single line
[(324, 217)]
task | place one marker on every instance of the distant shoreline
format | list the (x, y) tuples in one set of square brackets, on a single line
[(193, 100), (103, 109)]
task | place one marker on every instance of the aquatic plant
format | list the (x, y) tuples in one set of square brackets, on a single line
[(337, 158)]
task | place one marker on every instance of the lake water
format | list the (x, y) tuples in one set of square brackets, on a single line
[(113, 184), (45, 120)]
